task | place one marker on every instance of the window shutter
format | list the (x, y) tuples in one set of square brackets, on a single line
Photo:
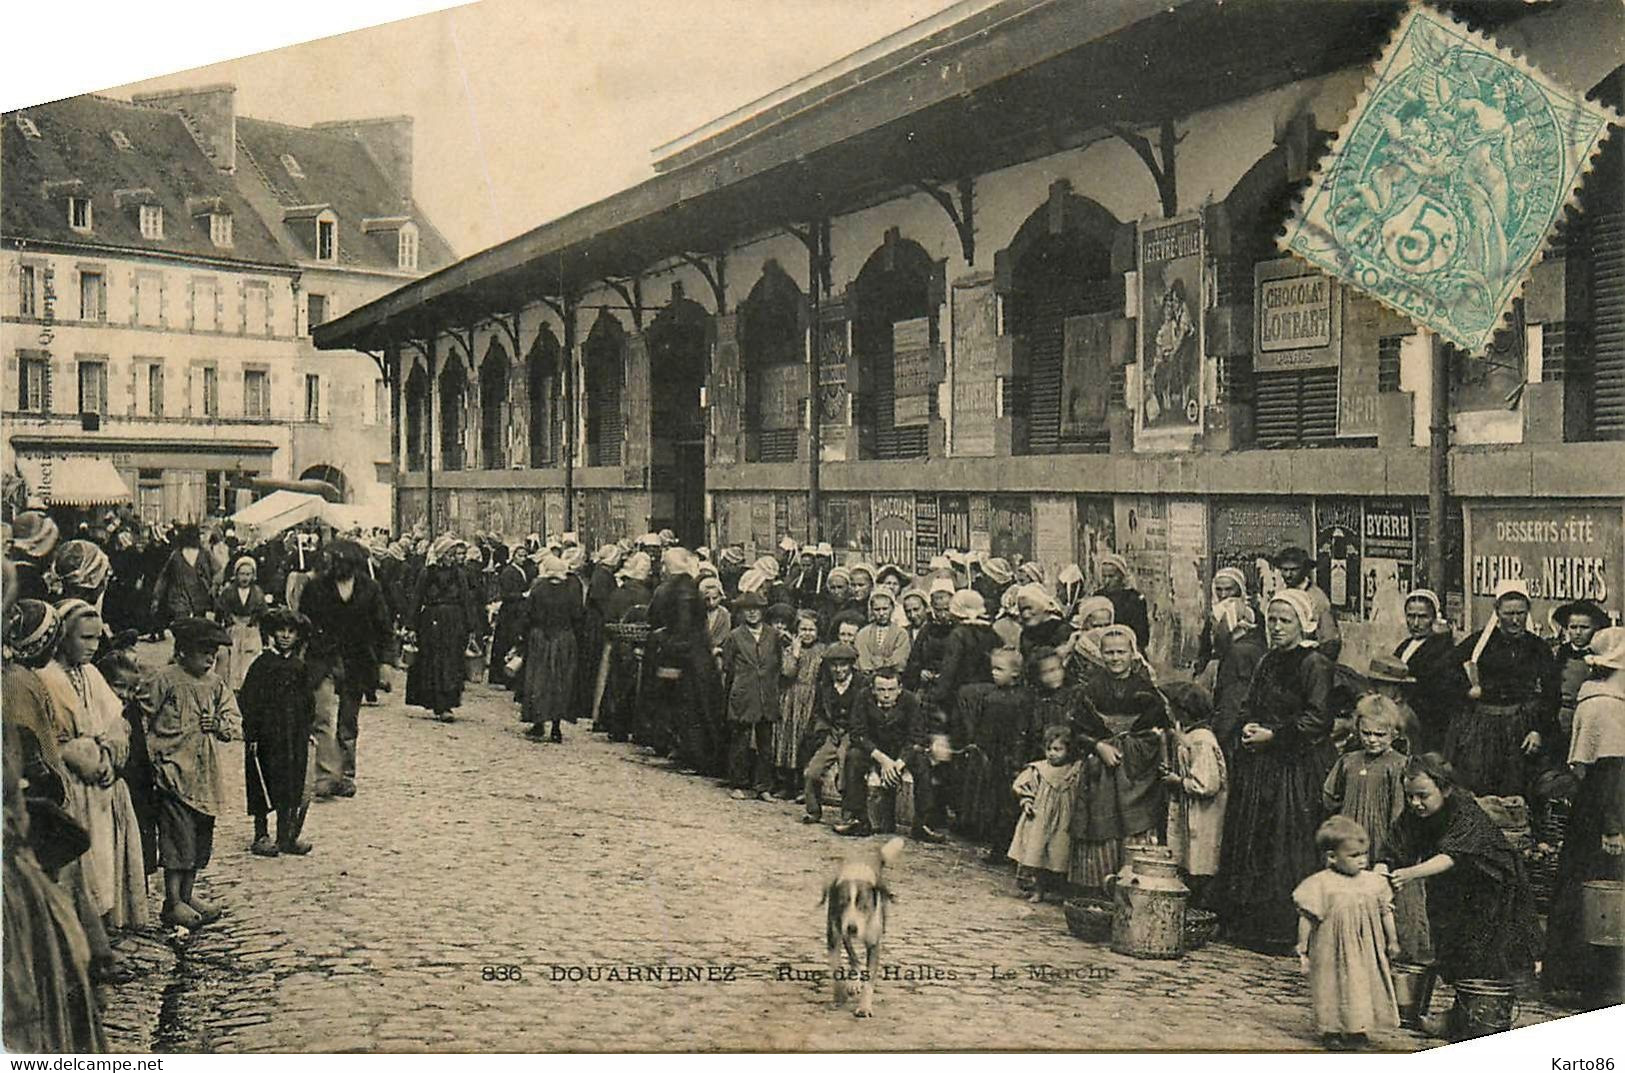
[(13, 380), (1295, 409), (122, 386), (635, 403), (192, 388), (1608, 325), (324, 400), (231, 392)]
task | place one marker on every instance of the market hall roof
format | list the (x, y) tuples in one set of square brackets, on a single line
[(76, 153), (1013, 82)]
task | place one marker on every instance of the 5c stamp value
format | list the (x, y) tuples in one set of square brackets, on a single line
[(1439, 192)]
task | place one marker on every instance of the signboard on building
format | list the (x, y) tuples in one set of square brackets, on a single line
[(894, 529), (1054, 533), (1562, 551), (981, 525), (1297, 318), (927, 532), (911, 371), (975, 387), (1169, 401)]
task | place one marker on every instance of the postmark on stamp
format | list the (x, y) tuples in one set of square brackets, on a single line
[(1442, 187)]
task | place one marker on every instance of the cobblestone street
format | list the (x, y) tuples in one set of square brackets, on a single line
[(470, 846)]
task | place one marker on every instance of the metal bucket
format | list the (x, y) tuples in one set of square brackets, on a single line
[(1601, 903), (1483, 1008), (1413, 987)]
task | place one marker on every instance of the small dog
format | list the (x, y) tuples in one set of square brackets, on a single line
[(857, 899)]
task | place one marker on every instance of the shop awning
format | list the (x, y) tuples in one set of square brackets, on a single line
[(73, 482), (278, 511)]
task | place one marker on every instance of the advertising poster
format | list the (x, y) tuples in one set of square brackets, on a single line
[(1168, 409), (954, 520), (894, 529), (981, 525), (1187, 579), (1054, 533), (1388, 562), (1010, 528), (975, 354), (1097, 533), (911, 371), (834, 397), (1338, 526), (1247, 533), (927, 532), (1142, 539), (1562, 551)]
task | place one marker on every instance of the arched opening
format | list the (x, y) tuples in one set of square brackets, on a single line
[(494, 407), (1057, 275), (1291, 407), (894, 318), (678, 353), (542, 378), (453, 414), (332, 475), (415, 416), (772, 331), (603, 361)]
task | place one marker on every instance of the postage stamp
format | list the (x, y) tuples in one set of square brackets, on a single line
[(1440, 191)]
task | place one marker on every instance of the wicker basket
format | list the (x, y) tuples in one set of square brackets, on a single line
[(1201, 926), (1089, 919), (632, 633)]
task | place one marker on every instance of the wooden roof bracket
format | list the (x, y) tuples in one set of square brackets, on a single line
[(1160, 161), (717, 278), (631, 295), (816, 237), (963, 215)]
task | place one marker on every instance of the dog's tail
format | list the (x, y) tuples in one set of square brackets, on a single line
[(892, 850)]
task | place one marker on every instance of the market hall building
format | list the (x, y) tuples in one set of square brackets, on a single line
[(1008, 281)]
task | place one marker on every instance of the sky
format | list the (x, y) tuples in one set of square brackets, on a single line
[(523, 109)]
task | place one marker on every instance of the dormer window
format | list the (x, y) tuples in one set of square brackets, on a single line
[(220, 228), (291, 166), (327, 237), (121, 140), (406, 248), (152, 221), (79, 213), (26, 125)]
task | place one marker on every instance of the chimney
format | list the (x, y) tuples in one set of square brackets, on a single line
[(389, 141), (209, 112)]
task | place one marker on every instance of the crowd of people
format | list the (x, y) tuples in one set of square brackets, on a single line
[(1007, 707)]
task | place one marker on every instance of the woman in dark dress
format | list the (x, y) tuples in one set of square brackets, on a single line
[(600, 588), (1513, 694), (508, 632), (1118, 736), (1280, 759), (681, 705), (1429, 651), (1594, 841), (1480, 910), (966, 658), (629, 602), (1117, 585), (1042, 625), (444, 616), (552, 616)]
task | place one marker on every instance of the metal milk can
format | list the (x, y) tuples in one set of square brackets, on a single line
[(1148, 906)]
